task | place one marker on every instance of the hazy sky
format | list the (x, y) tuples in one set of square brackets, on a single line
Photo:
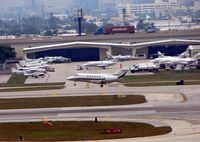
[(11, 3)]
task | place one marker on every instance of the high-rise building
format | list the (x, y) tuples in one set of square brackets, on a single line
[(143, 1), (32, 7), (30, 4), (88, 5), (152, 8)]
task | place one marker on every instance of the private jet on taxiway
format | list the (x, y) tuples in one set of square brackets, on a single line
[(101, 78)]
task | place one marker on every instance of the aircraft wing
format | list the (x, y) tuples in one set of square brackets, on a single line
[(102, 65)]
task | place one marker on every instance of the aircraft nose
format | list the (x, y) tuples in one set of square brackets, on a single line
[(70, 78)]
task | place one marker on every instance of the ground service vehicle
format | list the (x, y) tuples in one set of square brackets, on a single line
[(115, 29), (149, 67)]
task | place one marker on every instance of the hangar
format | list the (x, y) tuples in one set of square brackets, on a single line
[(88, 51)]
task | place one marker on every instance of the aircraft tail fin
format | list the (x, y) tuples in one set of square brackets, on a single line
[(109, 55), (13, 70), (197, 56), (160, 54), (18, 66), (184, 55), (121, 73)]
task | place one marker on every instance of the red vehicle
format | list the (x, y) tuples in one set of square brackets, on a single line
[(114, 30)]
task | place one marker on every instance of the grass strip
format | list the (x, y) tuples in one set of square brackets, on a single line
[(19, 80), (16, 79), (32, 88), (71, 101), (146, 84), (163, 78), (76, 131), (34, 84)]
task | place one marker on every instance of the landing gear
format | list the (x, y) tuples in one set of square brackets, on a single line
[(102, 83), (74, 83)]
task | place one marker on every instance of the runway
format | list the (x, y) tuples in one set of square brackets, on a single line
[(91, 112), (165, 103)]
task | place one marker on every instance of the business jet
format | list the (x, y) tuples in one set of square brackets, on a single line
[(28, 73), (33, 69), (56, 59), (120, 57), (101, 78), (100, 64), (170, 60)]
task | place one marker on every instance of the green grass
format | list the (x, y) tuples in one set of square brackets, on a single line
[(33, 88), (76, 131), (71, 101), (163, 78), (17, 79), (30, 85)]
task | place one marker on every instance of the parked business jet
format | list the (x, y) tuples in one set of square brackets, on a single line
[(182, 55), (56, 59), (33, 69), (98, 78), (28, 73), (120, 57), (170, 60), (100, 64)]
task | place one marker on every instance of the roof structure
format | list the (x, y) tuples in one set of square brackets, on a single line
[(105, 45)]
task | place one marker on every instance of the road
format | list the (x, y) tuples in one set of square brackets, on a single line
[(164, 105)]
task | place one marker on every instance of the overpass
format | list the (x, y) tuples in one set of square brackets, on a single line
[(85, 51), (21, 43)]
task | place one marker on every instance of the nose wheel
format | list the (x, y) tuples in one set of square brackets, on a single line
[(74, 83), (101, 85)]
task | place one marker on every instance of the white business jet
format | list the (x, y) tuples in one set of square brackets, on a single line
[(101, 78), (100, 64), (170, 60), (27, 73), (121, 57)]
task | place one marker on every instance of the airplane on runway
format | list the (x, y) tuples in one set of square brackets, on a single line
[(101, 78), (170, 60), (100, 64), (120, 57)]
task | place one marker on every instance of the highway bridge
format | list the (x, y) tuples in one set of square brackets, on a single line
[(21, 43)]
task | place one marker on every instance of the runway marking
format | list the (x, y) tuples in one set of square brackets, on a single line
[(108, 114), (105, 118), (104, 94), (54, 94)]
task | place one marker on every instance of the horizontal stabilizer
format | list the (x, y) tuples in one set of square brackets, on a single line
[(121, 73)]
